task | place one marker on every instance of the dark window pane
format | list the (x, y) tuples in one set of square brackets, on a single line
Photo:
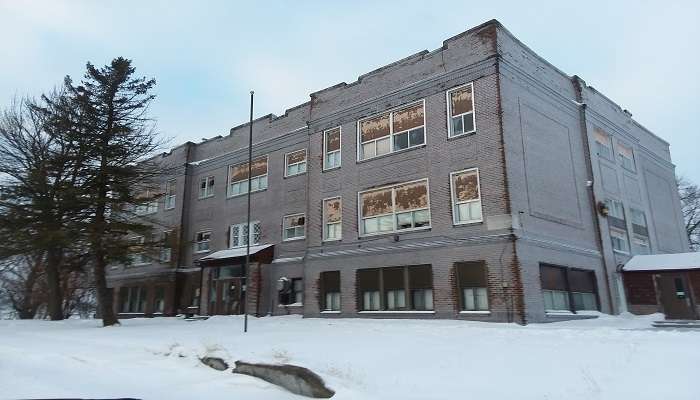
[(582, 281), (401, 141), (471, 274), (457, 127), (416, 137), (552, 278), (368, 279), (393, 278), (468, 122)]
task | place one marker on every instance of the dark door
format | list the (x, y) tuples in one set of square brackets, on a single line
[(675, 296), (228, 296)]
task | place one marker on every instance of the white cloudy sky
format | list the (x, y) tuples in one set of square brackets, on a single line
[(207, 55)]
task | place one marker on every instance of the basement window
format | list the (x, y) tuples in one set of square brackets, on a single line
[(472, 282), (332, 219), (295, 163), (568, 289), (331, 148), (466, 197), (395, 288), (395, 208), (330, 290), (132, 299), (460, 104), (238, 177), (392, 131)]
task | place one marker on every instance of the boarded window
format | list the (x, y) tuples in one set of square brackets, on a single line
[(377, 202), (332, 219), (561, 286), (461, 101), (408, 118), (374, 128), (296, 157), (330, 290), (581, 281), (467, 201), (333, 210), (368, 289), (412, 196), (240, 172), (333, 140), (420, 283), (466, 186), (601, 137), (400, 288), (472, 286), (553, 278)]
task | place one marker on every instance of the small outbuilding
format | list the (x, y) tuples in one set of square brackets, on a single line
[(667, 283)]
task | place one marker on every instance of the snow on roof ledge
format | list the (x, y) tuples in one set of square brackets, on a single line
[(663, 262), (237, 252)]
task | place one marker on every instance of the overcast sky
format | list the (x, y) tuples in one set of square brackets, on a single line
[(207, 56)]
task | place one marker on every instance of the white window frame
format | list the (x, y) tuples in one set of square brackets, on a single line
[(623, 236), (284, 228), (455, 204), (170, 197), (451, 134), (643, 214), (325, 224), (641, 241), (339, 151), (197, 250), (621, 156), (287, 165), (208, 188), (141, 255), (163, 248), (244, 182), (360, 218), (239, 236), (612, 203), (608, 145), (391, 132)]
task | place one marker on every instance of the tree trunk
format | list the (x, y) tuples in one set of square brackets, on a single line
[(28, 308), (105, 299), (53, 281)]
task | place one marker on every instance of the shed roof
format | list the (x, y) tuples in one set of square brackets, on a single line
[(663, 262), (235, 252)]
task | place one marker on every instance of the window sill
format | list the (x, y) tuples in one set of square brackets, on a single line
[(461, 135), (330, 169), (624, 253), (243, 194), (558, 312), (331, 241), (295, 175), (294, 239), (330, 312), (465, 312), (374, 235), (202, 252), (397, 312), (295, 305), (481, 221), (420, 146), (205, 197)]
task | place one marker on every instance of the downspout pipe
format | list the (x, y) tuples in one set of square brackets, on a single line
[(579, 84)]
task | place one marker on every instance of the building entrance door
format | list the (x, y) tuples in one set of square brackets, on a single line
[(228, 296), (675, 296)]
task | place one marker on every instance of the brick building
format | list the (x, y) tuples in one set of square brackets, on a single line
[(474, 181)]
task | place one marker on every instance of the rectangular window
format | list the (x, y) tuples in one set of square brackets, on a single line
[(159, 300), (395, 208), (561, 286), (137, 251), (472, 282), (395, 288), (619, 240), (202, 240), (615, 209), (603, 144), (166, 249), (626, 156), (391, 131), (330, 290), (206, 187), (297, 295), (332, 219), (238, 177), (295, 163), (239, 234), (331, 148), (293, 227), (638, 217), (460, 105), (641, 244), (170, 190), (147, 203), (132, 299), (466, 196)]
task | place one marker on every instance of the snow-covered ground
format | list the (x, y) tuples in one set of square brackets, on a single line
[(606, 358)]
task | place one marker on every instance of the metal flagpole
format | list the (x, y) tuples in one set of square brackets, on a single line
[(244, 294)]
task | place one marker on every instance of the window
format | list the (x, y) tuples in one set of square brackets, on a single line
[(159, 300), (619, 240), (626, 156), (391, 131), (166, 249), (332, 219), (641, 244), (466, 196), (137, 252), (460, 104), (293, 292), (148, 203), (561, 286), (133, 299), (295, 163), (603, 144), (615, 209), (170, 190), (293, 227), (202, 240), (238, 177), (206, 187), (330, 291), (472, 282), (331, 148), (395, 288), (638, 217), (395, 208), (240, 233)]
